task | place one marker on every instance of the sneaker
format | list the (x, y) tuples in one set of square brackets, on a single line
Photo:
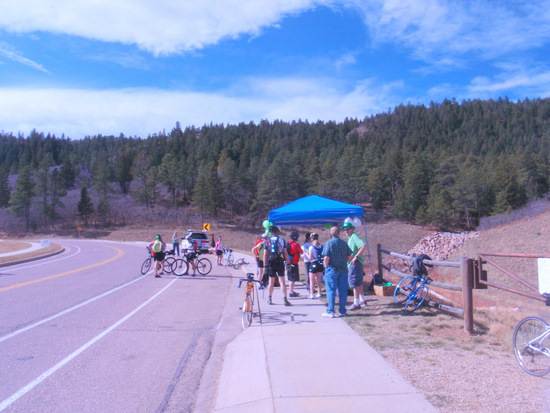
[(328, 315), (158, 276), (193, 275), (364, 302), (354, 307), (317, 296), (343, 315), (287, 303), (294, 294), (269, 301), (311, 297)]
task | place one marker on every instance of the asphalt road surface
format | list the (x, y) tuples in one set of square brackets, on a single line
[(84, 331)]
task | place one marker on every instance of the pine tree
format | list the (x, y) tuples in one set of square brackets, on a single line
[(85, 205), (4, 190), (21, 198)]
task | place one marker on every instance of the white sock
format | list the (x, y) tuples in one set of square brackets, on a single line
[(356, 301), (361, 298)]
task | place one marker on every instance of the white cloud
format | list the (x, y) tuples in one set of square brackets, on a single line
[(435, 28), (160, 27), (141, 112), (9, 53)]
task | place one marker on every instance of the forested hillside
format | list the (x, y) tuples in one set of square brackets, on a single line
[(447, 164)]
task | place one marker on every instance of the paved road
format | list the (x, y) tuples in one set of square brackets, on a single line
[(85, 331)]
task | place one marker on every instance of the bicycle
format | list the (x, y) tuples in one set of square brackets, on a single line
[(167, 264), (181, 266), (532, 344), (248, 304), (228, 253), (414, 289), (239, 263)]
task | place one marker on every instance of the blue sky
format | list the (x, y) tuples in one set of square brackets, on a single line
[(88, 67)]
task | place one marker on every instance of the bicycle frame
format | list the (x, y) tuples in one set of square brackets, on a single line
[(248, 303)]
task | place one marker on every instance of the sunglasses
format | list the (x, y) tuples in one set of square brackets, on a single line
[(347, 229)]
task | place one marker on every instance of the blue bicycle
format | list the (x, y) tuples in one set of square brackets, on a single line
[(413, 289)]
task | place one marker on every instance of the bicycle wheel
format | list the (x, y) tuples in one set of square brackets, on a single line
[(204, 266), (146, 266), (238, 263), (532, 346), (179, 267), (168, 263), (403, 289), (416, 299)]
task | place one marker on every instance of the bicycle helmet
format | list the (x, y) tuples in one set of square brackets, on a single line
[(158, 236)]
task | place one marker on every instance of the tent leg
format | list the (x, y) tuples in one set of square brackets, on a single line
[(368, 247)]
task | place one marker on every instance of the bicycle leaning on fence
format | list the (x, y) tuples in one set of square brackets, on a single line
[(532, 344), (248, 303), (413, 289)]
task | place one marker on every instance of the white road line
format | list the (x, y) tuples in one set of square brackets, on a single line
[(24, 390), (17, 267), (68, 310)]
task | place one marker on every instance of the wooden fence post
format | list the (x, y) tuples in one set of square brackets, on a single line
[(467, 295), (379, 258)]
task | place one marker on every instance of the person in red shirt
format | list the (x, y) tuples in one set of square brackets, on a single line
[(293, 272)]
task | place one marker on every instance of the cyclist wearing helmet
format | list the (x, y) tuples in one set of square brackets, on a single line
[(157, 248)]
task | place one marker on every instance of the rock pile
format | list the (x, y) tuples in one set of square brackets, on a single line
[(441, 245), (438, 246)]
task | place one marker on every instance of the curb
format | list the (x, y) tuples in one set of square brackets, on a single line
[(39, 257)]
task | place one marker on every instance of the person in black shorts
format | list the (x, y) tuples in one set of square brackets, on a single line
[(275, 256)]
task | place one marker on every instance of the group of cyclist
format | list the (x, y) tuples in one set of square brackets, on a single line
[(157, 247)]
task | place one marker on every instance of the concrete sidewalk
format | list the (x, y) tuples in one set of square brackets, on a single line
[(298, 361)]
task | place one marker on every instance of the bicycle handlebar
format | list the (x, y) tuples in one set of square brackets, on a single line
[(249, 278)]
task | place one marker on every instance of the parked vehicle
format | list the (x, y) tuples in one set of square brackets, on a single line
[(201, 238)]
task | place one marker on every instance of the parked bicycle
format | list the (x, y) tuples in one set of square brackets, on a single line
[(228, 256), (532, 344), (413, 289), (249, 296), (181, 266)]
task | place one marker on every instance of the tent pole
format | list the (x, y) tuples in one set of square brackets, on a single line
[(368, 248)]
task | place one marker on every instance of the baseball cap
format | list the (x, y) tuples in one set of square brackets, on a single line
[(347, 225)]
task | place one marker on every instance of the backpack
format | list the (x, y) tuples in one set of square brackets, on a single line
[(289, 250), (418, 266), (274, 247)]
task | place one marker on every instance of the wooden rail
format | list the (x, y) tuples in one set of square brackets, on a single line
[(466, 270)]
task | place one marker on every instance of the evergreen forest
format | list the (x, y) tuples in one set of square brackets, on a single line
[(445, 165)]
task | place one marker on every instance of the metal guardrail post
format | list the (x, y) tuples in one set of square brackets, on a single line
[(466, 268)]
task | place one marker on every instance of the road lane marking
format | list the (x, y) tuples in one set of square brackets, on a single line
[(24, 284), (68, 310), (18, 266), (24, 390)]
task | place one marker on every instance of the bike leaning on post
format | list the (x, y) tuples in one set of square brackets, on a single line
[(249, 297), (532, 344)]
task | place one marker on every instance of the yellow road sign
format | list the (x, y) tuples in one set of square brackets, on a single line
[(206, 227)]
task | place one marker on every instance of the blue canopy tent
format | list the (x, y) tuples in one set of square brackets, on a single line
[(313, 210), (316, 210)]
